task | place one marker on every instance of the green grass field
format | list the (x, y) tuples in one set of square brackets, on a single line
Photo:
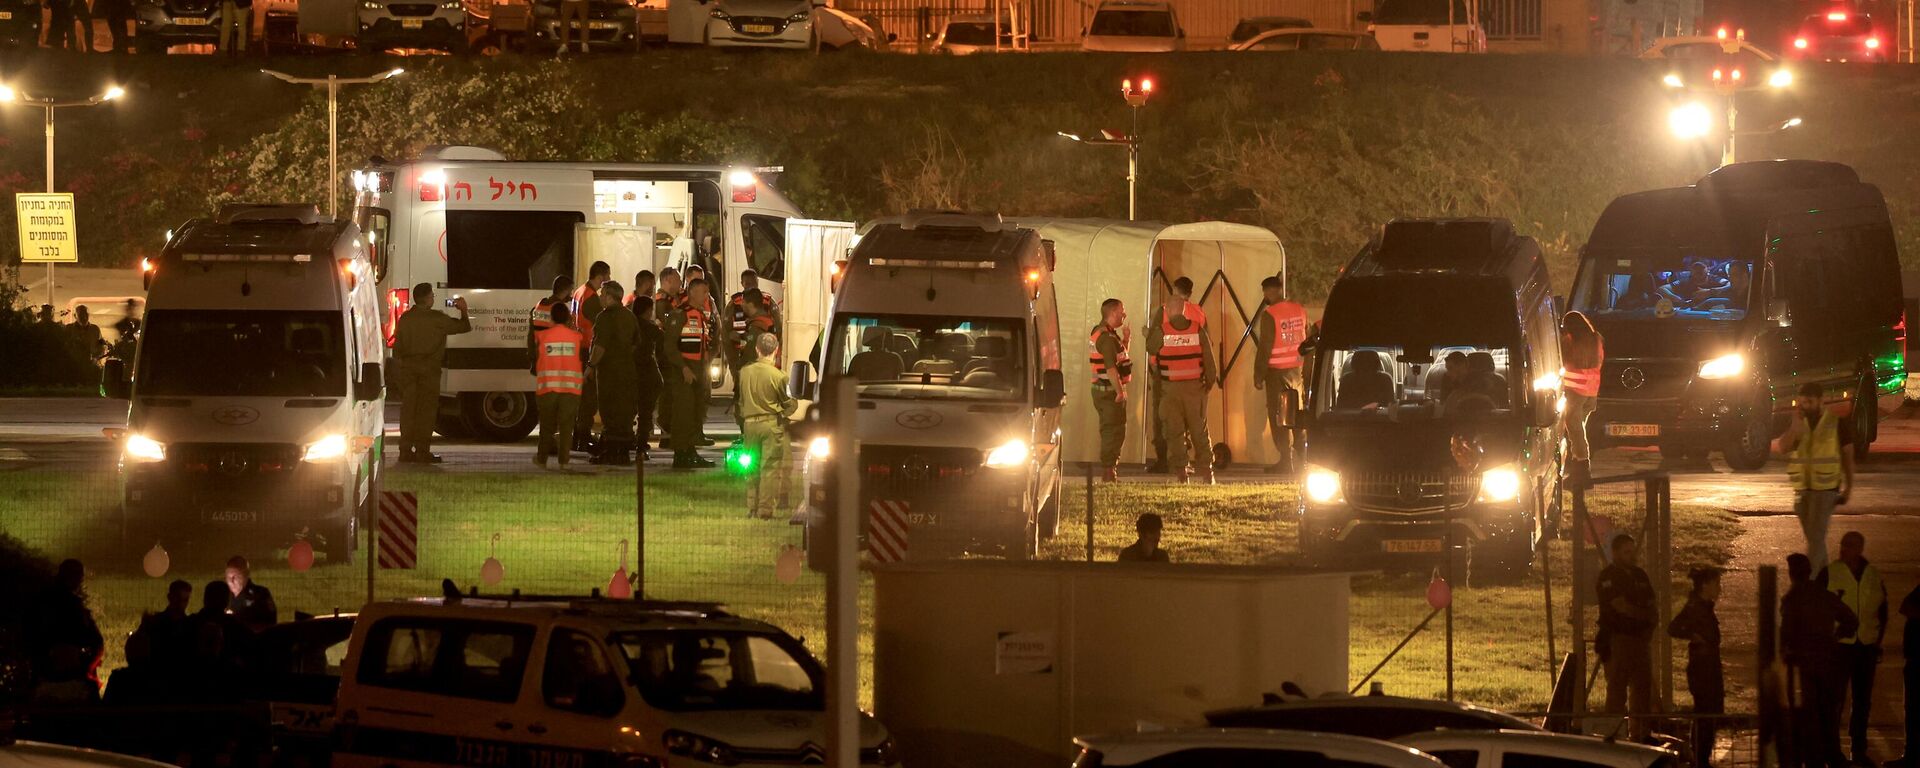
[(563, 535)]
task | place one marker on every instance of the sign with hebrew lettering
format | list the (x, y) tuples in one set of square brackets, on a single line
[(45, 221)]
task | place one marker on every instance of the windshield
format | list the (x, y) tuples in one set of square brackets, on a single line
[(700, 670), (244, 353), (1663, 286), (1132, 24), (1430, 13), (970, 33), (1385, 383), (917, 357)]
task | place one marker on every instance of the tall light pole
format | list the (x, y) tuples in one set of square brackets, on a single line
[(1136, 97), (48, 105), (1695, 121), (333, 83)]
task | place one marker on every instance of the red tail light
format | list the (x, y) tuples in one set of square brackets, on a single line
[(1837, 16), (1800, 43), (397, 301), (1873, 43)]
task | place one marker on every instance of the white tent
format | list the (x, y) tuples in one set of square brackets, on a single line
[(1135, 262)]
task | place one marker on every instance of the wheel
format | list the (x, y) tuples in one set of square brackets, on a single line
[(340, 540), (1748, 451), (1050, 511), (1025, 546), (499, 417), (1866, 420)]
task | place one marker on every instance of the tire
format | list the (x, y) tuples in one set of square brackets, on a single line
[(1050, 512), (499, 417), (341, 540), (1866, 415), (1749, 450)]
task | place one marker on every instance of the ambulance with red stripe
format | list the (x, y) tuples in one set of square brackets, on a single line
[(496, 232), (947, 324)]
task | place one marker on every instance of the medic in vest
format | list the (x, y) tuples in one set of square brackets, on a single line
[(1183, 360), (1280, 329), (1818, 446), (1112, 366)]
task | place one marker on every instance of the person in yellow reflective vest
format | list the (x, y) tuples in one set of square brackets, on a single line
[(559, 372), (1857, 583), (1819, 464)]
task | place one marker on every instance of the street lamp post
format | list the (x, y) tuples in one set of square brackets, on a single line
[(48, 105), (333, 83), (1694, 120), (1136, 97)]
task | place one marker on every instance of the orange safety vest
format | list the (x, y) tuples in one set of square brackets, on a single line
[(1585, 381), (694, 336), (559, 369), (1098, 362), (1179, 358), (581, 296), (543, 315), (1289, 330)]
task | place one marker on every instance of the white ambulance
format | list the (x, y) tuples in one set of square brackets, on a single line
[(497, 232), (255, 395)]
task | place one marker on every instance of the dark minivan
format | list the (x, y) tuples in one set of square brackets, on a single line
[(1718, 300), (1434, 407)]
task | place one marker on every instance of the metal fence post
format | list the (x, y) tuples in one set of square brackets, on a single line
[(1577, 614), (370, 516), (640, 523), (1766, 682), (843, 586), (1089, 512), (1660, 507)]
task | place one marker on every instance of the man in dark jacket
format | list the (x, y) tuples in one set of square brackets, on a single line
[(252, 605), (647, 344), (1706, 678), (64, 640), (1627, 619), (1812, 621), (1146, 548)]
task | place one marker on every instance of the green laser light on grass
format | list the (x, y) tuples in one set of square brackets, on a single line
[(741, 460)]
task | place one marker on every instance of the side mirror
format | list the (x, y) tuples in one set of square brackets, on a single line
[(1779, 311), (368, 386), (1053, 389), (1364, 17), (800, 380), (114, 382)]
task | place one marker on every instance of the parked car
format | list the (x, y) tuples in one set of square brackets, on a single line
[(563, 681), (1309, 39), (161, 24), (1704, 47), (1437, 26), (756, 23), (839, 30), (1252, 27), (19, 23), (1497, 749), (34, 754), (612, 25), (1373, 717), (1240, 747), (435, 24), (1840, 35), (1134, 26), (970, 33)]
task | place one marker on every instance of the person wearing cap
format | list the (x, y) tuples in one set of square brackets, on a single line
[(1146, 548), (1818, 446), (1857, 583), (1697, 624)]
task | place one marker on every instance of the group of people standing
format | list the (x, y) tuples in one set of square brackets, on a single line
[(1180, 353), (70, 24)]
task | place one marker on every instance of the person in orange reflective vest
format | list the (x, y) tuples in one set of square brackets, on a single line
[(1279, 330), (720, 336), (643, 282), (758, 322), (559, 374), (737, 312), (1183, 362), (1112, 372), (1583, 351), (587, 307), (542, 316), (690, 330), (665, 304)]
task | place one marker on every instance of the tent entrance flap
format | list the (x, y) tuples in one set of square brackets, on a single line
[(1136, 262)]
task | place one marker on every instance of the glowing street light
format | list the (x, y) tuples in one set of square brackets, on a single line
[(1136, 96), (47, 104), (1690, 121), (333, 83)]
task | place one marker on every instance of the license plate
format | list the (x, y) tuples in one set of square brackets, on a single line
[(233, 516), (922, 518), (758, 29), (5, 15), (1633, 430), (1411, 546), (192, 22), (603, 25), (413, 23)]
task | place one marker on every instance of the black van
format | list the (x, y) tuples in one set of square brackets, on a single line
[(1718, 300), (1434, 406)]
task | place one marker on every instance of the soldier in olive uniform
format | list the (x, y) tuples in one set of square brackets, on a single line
[(765, 407), (419, 348), (1183, 364), (613, 363), (1112, 371)]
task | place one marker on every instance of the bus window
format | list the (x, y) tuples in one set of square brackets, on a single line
[(510, 250), (765, 238), (377, 224)]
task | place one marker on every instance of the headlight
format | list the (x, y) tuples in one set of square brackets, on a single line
[(1500, 484), (820, 448), (800, 16), (1008, 454), (1323, 485), (1724, 366), (720, 14), (450, 6), (713, 372), (329, 448), (370, 6), (141, 448), (699, 748)]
